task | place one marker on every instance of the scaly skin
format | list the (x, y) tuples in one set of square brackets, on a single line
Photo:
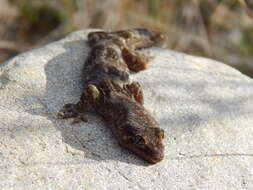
[(109, 92)]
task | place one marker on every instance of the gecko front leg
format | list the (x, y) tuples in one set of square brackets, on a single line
[(73, 111), (136, 91), (78, 111)]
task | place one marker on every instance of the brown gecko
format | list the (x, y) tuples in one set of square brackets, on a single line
[(108, 91)]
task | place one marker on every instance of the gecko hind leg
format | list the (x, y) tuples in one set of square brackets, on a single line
[(135, 60), (136, 91)]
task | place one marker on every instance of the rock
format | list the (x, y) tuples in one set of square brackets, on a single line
[(205, 108)]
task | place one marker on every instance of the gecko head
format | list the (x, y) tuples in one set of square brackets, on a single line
[(146, 143)]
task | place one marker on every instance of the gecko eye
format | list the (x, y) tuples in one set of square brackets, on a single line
[(159, 133), (138, 140)]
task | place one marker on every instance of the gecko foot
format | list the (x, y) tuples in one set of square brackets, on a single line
[(81, 117), (68, 111), (135, 60), (136, 91)]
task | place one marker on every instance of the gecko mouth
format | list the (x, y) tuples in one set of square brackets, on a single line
[(155, 156), (151, 155)]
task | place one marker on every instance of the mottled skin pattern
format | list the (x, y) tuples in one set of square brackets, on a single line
[(108, 91)]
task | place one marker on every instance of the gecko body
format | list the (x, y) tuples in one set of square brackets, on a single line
[(109, 92)]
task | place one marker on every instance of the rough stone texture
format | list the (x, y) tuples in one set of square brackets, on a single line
[(204, 106)]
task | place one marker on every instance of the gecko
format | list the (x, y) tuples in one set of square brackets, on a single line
[(109, 92)]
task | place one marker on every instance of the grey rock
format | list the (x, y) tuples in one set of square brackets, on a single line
[(204, 106)]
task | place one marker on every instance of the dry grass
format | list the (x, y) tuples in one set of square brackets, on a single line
[(219, 29)]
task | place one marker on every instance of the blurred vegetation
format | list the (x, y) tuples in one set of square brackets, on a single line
[(246, 46), (218, 29)]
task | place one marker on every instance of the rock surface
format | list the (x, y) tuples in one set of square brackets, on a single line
[(205, 108)]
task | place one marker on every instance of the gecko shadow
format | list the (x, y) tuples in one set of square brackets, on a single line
[(64, 85)]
